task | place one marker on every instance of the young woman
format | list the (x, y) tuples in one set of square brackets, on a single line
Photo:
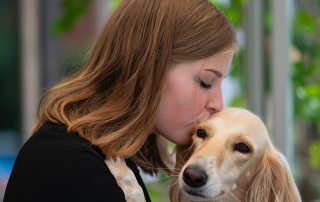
[(154, 71)]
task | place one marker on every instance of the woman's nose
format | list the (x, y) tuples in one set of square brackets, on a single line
[(215, 102)]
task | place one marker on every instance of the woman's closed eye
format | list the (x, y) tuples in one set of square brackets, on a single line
[(204, 85)]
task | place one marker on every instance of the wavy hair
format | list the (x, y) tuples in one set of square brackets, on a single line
[(113, 101)]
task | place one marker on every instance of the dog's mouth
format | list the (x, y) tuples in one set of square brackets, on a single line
[(194, 193), (199, 196)]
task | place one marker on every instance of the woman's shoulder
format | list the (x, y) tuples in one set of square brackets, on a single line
[(53, 141), (58, 165)]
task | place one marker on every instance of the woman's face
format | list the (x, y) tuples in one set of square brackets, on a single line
[(192, 92)]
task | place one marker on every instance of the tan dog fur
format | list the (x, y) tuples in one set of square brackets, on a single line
[(263, 175), (126, 180)]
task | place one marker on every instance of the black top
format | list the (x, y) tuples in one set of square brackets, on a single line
[(54, 165)]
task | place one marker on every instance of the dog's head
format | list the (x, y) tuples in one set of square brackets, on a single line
[(232, 159)]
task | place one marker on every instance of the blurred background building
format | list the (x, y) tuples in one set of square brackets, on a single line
[(275, 75)]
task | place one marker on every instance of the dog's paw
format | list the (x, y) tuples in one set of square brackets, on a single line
[(126, 180)]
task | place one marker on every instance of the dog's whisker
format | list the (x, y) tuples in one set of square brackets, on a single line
[(239, 189), (181, 159), (162, 178), (175, 176), (166, 185), (229, 192), (173, 184), (233, 196), (179, 164), (248, 191)]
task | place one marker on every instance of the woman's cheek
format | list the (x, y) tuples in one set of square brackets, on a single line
[(200, 102)]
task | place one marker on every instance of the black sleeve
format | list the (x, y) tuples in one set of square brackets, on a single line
[(79, 177), (89, 179), (54, 165)]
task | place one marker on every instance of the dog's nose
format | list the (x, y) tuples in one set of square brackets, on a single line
[(194, 176)]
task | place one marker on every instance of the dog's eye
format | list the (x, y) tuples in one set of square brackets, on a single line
[(242, 147), (201, 133)]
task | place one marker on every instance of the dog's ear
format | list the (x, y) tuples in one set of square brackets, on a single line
[(183, 153), (273, 181)]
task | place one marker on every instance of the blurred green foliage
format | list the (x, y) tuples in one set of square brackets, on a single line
[(159, 189), (235, 11), (314, 150), (306, 74), (114, 4), (74, 10)]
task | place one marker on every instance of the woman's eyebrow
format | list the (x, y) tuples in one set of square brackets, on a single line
[(219, 74)]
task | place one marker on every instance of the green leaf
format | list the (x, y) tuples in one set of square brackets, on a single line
[(243, 2), (235, 16), (240, 102), (74, 11), (114, 4), (313, 90), (314, 151), (304, 22), (267, 22)]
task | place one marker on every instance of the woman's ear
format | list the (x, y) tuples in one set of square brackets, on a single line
[(273, 181)]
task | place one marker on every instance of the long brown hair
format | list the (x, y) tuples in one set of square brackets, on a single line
[(113, 101)]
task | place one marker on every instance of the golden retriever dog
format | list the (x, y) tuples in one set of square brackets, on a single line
[(231, 158)]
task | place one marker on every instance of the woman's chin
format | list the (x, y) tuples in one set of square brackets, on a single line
[(180, 141), (176, 138)]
